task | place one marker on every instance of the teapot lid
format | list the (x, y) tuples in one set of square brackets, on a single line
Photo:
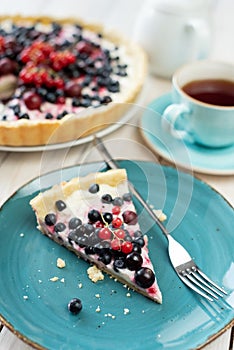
[(181, 6)]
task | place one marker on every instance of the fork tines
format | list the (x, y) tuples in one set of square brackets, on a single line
[(197, 280)]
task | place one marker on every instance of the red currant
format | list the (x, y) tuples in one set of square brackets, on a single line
[(117, 222), (115, 210), (104, 233), (115, 244), (120, 233), (126, 247)]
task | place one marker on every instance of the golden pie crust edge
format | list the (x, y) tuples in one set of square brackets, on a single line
[(70, 128)]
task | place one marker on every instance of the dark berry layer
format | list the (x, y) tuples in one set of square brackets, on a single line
[(109, 231), (57, 65)]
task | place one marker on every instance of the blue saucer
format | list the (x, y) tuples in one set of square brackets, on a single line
[(218, 161)]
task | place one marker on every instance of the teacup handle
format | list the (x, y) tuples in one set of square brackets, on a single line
[(169, 118)]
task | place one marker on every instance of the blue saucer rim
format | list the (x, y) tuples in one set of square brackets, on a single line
[(164, 99)]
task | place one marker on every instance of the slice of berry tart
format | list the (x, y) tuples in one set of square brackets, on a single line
[(94, 217), (61, 80)]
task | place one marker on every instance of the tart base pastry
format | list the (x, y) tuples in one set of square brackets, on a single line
[(107, 70), (95, 218)]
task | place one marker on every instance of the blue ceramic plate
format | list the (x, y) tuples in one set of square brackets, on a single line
[(35, 308), (219, 161)]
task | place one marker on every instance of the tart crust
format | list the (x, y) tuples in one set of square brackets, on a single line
[(44, 202), (72, 127)]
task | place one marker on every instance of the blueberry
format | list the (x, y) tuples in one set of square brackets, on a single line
[(75, 306), (106, 99), (107, 217), (106, 258), (94, 188), (24, 116), (119, 264), (89, 250), (94, 215), (73, 236), (140, 241), (106, 198), (127, 197), (49, 116), (60, 205), (134, 261), (144, 277), (82, 241), (51, 97), (136, 248), (89, 229), (50, 219), (74, 223), (118, 201), (59, 227)]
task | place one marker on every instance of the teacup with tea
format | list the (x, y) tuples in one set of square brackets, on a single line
[(202, 110)]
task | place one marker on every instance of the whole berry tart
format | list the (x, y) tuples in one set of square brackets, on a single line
[(61, 80), (94, 217)]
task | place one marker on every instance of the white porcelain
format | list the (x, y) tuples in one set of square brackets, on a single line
[(174, 32), (195, 121)]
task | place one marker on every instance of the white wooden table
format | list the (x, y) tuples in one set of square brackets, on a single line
[(18, 168)]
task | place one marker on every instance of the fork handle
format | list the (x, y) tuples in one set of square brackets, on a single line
[(113, 165)]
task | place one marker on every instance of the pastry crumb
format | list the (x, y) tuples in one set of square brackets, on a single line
[(98, 309), (128, 295), (126, 311), (80, 285), (95, 274), (159, 213), (22, 235), (97, 295), (25, 297), (61, 263), (54, 279), (62, 280)]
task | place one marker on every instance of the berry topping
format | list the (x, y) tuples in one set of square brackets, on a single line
[(105, 233), (75, 306), (120, 233), (107, 218), (32, 100), (73, 89), (59, 227), (127, 197), (7, 66), (119, 264), (144, 277), (60, 205), (126, 247), (94, 215), (74, 223), (130, 217), (115, 244), (118, 201), (106, 198), (117, 222), (134, 261), (50, 219), (116, 210), (94, 188)]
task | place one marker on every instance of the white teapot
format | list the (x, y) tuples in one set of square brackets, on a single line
[(174, 32)]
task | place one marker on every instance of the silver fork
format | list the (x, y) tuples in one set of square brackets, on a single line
[(185, 267)]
